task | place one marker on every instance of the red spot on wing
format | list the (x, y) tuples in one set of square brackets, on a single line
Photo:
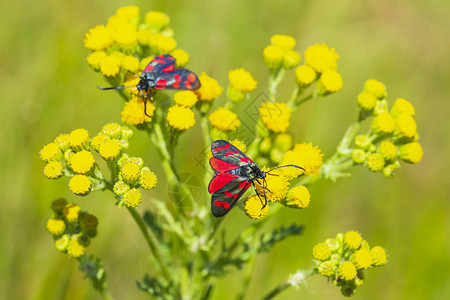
[(245, 159), (242, 184), (168, 69), (191, 77), (225, 204), (220, 165), (177, 81), (188, 84), (231, 195), (248, 184), (228, 153), (161, 84), (219, 181), (148, 68), (221, 148), (160, 61)]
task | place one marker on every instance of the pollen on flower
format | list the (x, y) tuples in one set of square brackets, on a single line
[(283, 41), (113, 130), (157, 20), (224, 119), (148, 179), (330, 82), (298, 197), (181, 56), (95, 58), (110, 66), (352, 240), (98, 140), (71, 212), (62, 141), (375, 162), (254, 208), (304, 155), (275, 116), (241, 80), (321, 58), (82, 162), (110, 149), (326, 268), (180, 118), (75, 249), (120, 188), (130, 172), (366, 101), (278, 187), (135, 160), (387, 150), (402, 106), (130, 63), (50, 152), (359, 156), (305, 75), (273, 56), (79, 138), (405, 126), (98, 38), (362, 259), (132, 198), (80, 184), (239, 144), (321, 252), (411, 152), (383, 123), (346, 271), (53, 170), (209, 89), (62, 243), (56, 226), (376, 88), (133, 111), (379, 256), (185, 98)]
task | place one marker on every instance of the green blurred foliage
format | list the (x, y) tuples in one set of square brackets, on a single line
[(47, 88)]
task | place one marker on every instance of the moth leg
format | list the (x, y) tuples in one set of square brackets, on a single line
[(256, 192), (264, 190)]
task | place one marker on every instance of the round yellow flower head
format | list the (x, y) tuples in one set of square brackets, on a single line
[(126, 36), (224, 119), (321, 58), (254, 208), (387, 150), (291, 59), (130, 13), (71, 212), (352, 240), (298, 197), (130, 172), (411, 152), (390, 170), (62, 141), (366, 101), (305, 75), (120, 188), (133, 111), (135, 160), (98, 38), (82, 162), (132, 198), (209, 89), (321, 252), (362, 259), (144, 62), (239, 144), (359, 156), (75, 249), (148, 179), (346, 271), (50, 152), (95, 58), (62, 243), (58, 205), (284, 41), (145, 35), (241, 80), (185, 98), (327, 268), (181, 56), (56, 226), (80, 185), (180, 118), (376, 88), (363, 142), (379, 256), (406, 126), (402, 106), (273, 56), (383, 123), (375, 162), (165, 44), (329, 82), (157, 20), (130, 63), (304, 155), (275, 116), (79, 139), (278, 186), (110, 66), (110, 149)]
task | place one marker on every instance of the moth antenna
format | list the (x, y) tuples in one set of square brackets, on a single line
[(115, 87), (294, 166)]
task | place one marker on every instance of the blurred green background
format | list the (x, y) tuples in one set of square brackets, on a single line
[(47, 88)]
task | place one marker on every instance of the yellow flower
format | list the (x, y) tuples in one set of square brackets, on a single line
[(402, 106), (80, 185), (110, 149), (411, 152), (78, 139), (50, 152), (180, 118), (130, 172), (126, 36), (113, 130), (130, 63), (98, 38), (321, 252), (366, 101), (136, 160), (185, 98), (56, 226), (74, 249), (275, 116), (291, 59), (62, 141), (405, 126), (359, 156), (389, 170), (387, 150), (130, 13), (346, 271), (82, 162), (363, 142), (144, 62), (330, 82), (110, 66), (305, 75), (352, 240), (71, 212), (144, 36), (164, 44), (276, 188), (241, 80), (254, 208), (181, 56), (239, 144), (362, 259), (224, 119), (209, 89), (379, 256), (321, 58), (95, 58), (376, 88), (120, 188), (375, 162), (304, 155), (283, 141), (62, 243), (298, 197), (148, 179), (284, 41), (157, 20), (133, 111), (327, 268), (273, 56), (53, 170), (132, 198), (383, 123)]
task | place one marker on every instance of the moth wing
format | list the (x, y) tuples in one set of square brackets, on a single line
[(177, 79), (159, 63), (227, 152), (223, 199)]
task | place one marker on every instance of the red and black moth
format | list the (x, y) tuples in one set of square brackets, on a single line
[(161, 74), (235, 172)]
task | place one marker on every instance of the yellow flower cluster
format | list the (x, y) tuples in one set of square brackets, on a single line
[(394, 133), (345, 258), (275, 116), (280, 53), (209, 89), (224, 119), (180, 117), (133, 111), (241, 83), (304, 155), (71, 228)]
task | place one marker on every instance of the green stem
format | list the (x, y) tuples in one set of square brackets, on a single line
[(207, 143), (275, 78), (249, 267), (281, 287), (106, 295)]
